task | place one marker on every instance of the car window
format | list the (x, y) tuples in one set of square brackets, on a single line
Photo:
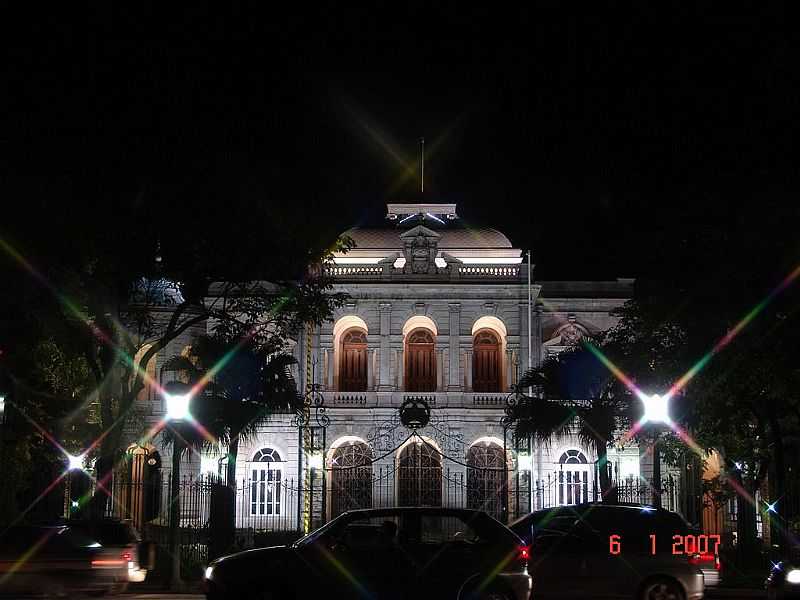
[(440, 529), (373, 531), (557, 544)]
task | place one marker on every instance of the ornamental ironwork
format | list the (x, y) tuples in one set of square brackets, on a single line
[(312, 401)]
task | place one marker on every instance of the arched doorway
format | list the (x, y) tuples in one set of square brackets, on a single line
[(419, 475), (486, 362), (353, 362), (573, 478), (351, 477), (420, 362), (486, 472)]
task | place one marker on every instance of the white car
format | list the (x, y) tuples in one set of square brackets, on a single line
[(123, 538)]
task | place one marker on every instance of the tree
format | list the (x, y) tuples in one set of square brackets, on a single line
[(574, 392), (137, 278), (248, 385)]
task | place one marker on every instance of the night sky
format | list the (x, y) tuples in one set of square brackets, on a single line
[(582, 137)]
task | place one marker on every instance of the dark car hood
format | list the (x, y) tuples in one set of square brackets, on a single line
[(254, 555)]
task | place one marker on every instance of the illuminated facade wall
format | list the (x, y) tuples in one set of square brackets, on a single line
[(423, 291)]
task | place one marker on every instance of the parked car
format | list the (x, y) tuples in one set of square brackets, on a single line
[(384, 553), (122, 536), (783, 580), (611, 551), (56, 561)]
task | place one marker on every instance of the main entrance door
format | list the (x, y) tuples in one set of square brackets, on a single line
[(420, 362)]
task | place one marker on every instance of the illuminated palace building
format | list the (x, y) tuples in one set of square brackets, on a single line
[(439, 320)]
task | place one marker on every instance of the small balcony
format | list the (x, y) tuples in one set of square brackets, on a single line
[(450, 400)]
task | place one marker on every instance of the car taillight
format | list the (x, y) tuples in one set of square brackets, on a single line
[(126, 556), (524, 553), (694, 559)]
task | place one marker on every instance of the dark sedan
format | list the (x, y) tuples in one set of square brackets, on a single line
[(634, 552), (384, 553)]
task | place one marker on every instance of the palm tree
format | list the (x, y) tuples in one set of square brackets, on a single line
[(572, 396), (247, 384)]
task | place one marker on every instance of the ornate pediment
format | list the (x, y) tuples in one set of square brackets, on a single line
[(420, 247)]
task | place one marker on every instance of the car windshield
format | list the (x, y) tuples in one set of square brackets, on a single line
[(109, 532)]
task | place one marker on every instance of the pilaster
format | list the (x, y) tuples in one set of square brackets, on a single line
[(385, 311), (453, 383)]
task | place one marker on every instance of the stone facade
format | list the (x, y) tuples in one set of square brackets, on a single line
[(424, 271)]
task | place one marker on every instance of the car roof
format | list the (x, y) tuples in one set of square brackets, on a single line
[(593, 506), (466, 512)]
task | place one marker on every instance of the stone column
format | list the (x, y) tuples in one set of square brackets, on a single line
[(454, 384), (468, 370), (440, 362), (319, 373), (385, 311), (509, 367), (370, 369), (401, 370), (330, 380)]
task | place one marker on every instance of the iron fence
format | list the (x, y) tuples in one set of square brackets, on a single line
[(215, 518)]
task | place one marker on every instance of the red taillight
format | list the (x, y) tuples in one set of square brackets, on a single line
[(694, 559), (524, 553), (107, 563), (126, 556)]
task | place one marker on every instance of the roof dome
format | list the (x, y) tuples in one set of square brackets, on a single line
[(451, 239)]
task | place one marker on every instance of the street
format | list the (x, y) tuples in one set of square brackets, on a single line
[(164, 596), (711, 594)]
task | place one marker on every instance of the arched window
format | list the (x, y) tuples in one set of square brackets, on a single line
[(420, 362), (265, 482), (573, 478), (419, 476), (353, 362), (486, 362), (351, 477), (485, 476)]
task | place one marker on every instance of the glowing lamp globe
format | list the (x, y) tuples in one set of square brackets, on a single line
[(656, 409), (524, 462), (75, 462), (178, 406), (315, 460)]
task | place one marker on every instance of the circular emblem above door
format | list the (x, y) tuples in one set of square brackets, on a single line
[(415, 412)]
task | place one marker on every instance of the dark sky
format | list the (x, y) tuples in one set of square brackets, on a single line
[(579, 135)]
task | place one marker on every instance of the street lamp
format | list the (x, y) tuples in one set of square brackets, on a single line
[(315, 460), (75, 462), (656, 411), (524, 462), (177, 399), (177, 406)]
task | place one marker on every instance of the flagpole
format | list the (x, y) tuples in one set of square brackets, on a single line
[(530, 347)]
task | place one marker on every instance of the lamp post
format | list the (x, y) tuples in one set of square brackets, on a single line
[(177, 397), (656, 411)]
